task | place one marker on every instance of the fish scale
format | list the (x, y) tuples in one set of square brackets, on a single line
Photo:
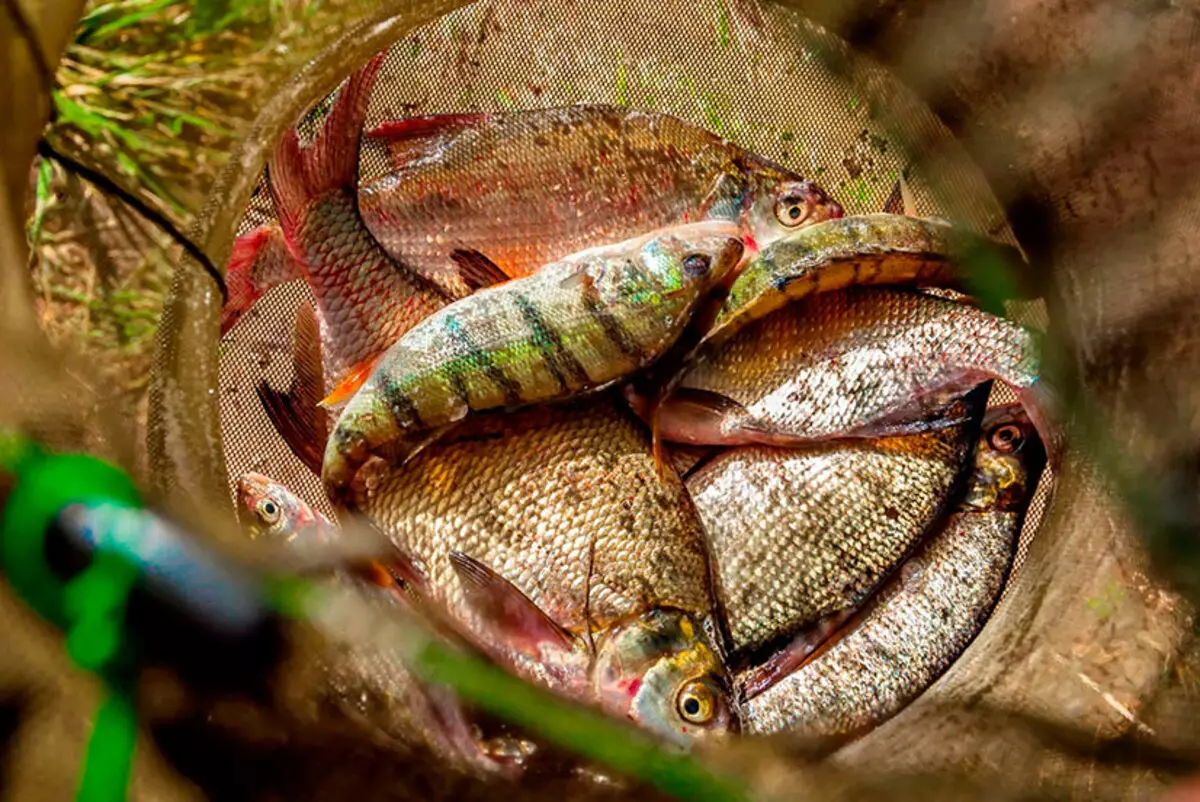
[(800, 535), (530, 500), (923, 619), (566, 512), (613, 310), (845, 363)]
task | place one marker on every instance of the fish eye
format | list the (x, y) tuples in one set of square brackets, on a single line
[(269, 510), (697, 264), (1007, 438), (696, 702), (791, 210)]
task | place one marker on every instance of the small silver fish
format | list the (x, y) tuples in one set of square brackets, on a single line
[(928, 614), (273, 511)]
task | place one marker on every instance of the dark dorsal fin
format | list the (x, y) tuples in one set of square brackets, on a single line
[(414, 137), (295, 414), (519, 621), (476, 270)]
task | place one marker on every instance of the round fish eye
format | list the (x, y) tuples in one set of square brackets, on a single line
[(697, 264), (791, 210), (1007, 438), (269, 510), (696, 702)]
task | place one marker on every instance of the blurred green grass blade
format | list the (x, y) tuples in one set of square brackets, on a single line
[(573, 727), (125, 21), (346, 619), (989, 279), (42, 200), (209, 15)]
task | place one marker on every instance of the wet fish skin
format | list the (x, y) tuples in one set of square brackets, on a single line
[(865, 362), (531, 187), (873, 249), (800, 536), (366, 299), (572, 327), (927, 616), (587, 175), (272, 511), (565, 508)]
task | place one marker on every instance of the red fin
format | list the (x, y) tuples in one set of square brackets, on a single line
[(521, 622), (295, 414), (477, 270), (298, 175), (259, 261), (798, 651), (411, 138), (662, 460), (701, 417), (350, 383)]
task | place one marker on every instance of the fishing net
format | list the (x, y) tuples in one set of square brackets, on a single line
[(1087, 637)]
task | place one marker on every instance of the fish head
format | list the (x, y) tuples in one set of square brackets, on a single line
[(778, 207), (689, 260), (1008, 460), (660, 670), (267, 508)]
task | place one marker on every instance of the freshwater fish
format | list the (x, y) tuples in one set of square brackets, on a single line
[(929, 613), (858, 363), (271, 511), (873, 249), (530, 187), (550, 537), (572, 327), (367, 683), (801, 537), (511, 192), (365, 299)]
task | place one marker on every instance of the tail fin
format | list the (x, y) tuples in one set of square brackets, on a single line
[(260, 261), (295, 414), (331, 162)]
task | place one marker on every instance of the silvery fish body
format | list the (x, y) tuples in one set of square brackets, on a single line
[(928, 614), (863, 362), (798, 536)]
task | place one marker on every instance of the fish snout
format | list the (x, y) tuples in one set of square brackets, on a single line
[(821, 206)]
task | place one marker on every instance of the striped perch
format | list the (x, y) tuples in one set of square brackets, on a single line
[(574, 326)]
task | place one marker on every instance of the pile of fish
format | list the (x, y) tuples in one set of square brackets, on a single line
[(646, 418)]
